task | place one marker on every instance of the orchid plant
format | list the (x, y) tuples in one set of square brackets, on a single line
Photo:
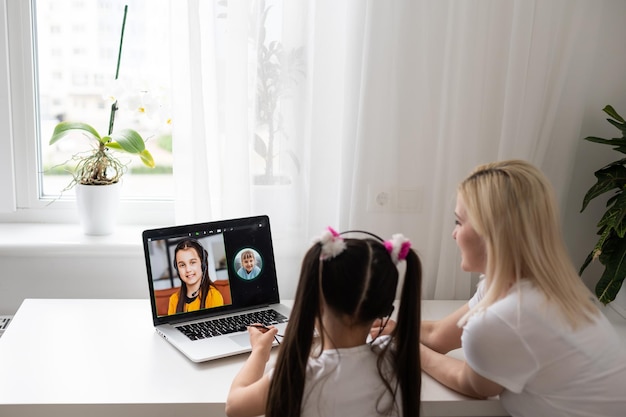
[(101, 167)]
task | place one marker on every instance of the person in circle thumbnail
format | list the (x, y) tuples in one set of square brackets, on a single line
[(197, 290), (249, 269)]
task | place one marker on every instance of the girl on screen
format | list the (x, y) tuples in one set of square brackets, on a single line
[(197, 290), (249, 268), (326, 365)]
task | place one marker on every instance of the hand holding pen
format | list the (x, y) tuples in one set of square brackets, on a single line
[(258, 331)]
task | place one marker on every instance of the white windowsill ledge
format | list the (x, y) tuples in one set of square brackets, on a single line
[(48, 239)]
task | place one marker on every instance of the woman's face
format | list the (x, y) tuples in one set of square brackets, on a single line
[(472, 246), (189, 266)]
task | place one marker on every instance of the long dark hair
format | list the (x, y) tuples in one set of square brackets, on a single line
[(206, 282), (361, 282)]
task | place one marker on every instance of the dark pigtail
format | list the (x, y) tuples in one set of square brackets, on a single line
[(287, 385), (407, 335)]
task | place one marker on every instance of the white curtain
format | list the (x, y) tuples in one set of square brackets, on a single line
[(391, 99)]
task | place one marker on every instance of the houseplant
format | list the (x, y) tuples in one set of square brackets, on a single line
[(610, 249), (102, 167), (278, 72), (98, 173)]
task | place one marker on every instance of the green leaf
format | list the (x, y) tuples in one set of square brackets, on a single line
[(127, 140), (613, 257), (619, 120), (612, 176), (146, 158), (619, 142), (614, 217), (64, 128), (608, 109), (587, 262), (620, 126), (130, 141)]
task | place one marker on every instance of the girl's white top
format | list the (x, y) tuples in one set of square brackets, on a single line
[(345, 382)]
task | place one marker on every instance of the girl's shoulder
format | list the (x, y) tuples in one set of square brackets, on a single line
[(381, 342)]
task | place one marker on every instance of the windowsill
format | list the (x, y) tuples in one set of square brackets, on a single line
[(49, 239)]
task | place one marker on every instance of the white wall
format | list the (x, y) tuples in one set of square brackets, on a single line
[(99, 268), (59, 261), (608, 86)]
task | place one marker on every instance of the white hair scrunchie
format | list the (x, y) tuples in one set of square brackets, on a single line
[(398, 247), (332, 244)]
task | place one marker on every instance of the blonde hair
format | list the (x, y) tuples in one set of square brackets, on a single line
[(247, 254), (511, 205)]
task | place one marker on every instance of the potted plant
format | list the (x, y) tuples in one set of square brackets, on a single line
[(610, 249), (278, 71), (97, 174), (101, 167)]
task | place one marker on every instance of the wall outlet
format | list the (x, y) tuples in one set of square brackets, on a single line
[(381, 198)]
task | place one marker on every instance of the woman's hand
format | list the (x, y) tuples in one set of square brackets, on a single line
[(376, 330)]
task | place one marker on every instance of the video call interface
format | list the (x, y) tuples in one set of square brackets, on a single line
[(239, 261)]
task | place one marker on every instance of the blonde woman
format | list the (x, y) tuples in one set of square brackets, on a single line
[(531, 333)]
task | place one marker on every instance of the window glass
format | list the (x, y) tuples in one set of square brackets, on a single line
[(76, 56)]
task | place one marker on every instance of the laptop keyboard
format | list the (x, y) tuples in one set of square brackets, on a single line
[(232, 324), (4, 323)]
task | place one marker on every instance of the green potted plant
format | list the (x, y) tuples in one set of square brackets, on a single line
[(101, 167), (610, 249), (97, 173)]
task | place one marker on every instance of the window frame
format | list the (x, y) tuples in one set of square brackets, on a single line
[(19, 133)]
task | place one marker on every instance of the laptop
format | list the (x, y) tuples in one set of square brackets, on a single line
[(238, 257)]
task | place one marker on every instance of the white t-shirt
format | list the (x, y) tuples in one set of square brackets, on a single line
[(547, 369), (345, 383)]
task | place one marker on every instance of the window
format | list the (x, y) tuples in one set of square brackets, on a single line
[(91, 67), (67, 76)]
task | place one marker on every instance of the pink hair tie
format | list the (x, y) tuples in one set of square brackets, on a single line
[(398, 247), (332, 244)]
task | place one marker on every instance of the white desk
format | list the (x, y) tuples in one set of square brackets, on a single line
[(107, 360)]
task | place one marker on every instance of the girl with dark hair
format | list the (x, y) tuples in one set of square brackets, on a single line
[(325, 365), (197, 291)]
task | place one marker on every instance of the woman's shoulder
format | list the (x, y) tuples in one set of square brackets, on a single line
[(522, 297)]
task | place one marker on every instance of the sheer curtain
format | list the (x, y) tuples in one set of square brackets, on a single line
[(397, 99)]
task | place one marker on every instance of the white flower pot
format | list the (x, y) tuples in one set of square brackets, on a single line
[(97, 207)]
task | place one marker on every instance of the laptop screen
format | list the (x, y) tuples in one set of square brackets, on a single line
[(210, 268)]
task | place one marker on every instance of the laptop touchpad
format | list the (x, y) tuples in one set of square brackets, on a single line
[(241, 339)]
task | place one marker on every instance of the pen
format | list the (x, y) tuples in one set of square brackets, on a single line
[(262, 327)]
